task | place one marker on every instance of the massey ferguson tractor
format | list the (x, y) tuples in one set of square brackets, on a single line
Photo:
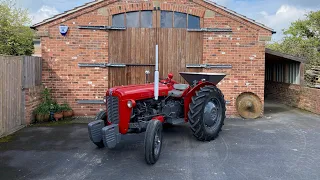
[(146, 107)]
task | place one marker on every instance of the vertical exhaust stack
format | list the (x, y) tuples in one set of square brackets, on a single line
[(156, 76)]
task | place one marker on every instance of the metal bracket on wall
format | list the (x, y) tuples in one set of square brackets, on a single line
[(211, 30), (209, 66), (102, 65), (90, 102), (102, 27)]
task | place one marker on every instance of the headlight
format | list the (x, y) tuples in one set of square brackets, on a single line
[(129, 104), (105, 99)]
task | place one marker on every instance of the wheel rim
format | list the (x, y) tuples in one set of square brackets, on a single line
[(212, 113), (157, 142)]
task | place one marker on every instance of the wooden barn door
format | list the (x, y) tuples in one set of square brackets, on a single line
[(135, 47), (177, 48)]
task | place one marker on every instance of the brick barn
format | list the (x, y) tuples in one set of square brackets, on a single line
[(112, 42)]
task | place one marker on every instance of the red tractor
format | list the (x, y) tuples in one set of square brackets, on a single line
[(146, 107)]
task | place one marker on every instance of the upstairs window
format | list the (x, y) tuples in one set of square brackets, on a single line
[(171, 19), (168, 19), (193, 22), (137, 19), (132, 19), (180, 20), (118, 20), (146, 19)]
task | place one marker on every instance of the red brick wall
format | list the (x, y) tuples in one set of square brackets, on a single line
[(32, 100), (241, 48), (294, 95)]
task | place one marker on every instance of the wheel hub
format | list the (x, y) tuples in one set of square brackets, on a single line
[(157, 142), (211, 113)]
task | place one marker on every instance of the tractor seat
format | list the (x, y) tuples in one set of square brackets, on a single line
[(181, 87), (178, 90)]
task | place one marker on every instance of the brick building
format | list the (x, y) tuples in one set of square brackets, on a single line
[(111, 42)]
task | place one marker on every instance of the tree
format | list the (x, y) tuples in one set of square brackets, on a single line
[(302, 39), (16, 38)]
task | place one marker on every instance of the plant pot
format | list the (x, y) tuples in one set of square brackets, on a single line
[(42, 117), (68, 113), (58, 115)]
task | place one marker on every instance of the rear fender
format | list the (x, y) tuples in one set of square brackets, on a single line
[(190, 94)]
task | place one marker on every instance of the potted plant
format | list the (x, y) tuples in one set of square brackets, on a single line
[(56, 108), (67, 110), (42, 112)]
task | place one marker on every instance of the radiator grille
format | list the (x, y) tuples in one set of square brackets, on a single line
[(113, 109)]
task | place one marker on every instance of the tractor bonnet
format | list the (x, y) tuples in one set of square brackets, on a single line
[(214, 78)]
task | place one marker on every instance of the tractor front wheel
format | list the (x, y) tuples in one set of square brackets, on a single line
[(101, 115), (153, 141), (207, 113)]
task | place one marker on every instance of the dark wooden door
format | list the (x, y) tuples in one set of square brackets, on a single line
[(177, 48), (135, 47)]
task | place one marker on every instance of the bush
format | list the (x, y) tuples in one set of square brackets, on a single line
[(42, 109), (65, 107)]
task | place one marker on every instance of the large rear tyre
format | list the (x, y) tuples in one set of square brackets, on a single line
[(153, 141), (207, 113), (101, 115)]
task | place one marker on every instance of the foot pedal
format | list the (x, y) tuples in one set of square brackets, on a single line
[(94, 129), (111, 136)]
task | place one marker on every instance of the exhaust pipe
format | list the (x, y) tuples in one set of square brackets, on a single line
[(156, 76)]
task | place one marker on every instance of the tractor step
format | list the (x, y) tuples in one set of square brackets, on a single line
[(111, 136), (176, 121), (94, 129)]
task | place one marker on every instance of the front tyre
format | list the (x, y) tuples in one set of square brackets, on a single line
[(153, 141), (207, 113), (101, 115)]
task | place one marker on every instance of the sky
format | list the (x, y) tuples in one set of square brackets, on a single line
[(277, 14)]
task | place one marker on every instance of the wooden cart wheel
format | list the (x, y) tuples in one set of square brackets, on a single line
[(249, 106)]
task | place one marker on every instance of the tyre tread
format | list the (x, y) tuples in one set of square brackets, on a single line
[(196, 107)]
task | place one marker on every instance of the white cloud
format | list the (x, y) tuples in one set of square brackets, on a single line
[(43, 13), (282, 19)]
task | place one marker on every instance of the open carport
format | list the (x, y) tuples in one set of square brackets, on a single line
[(284, 144), (285, 83)]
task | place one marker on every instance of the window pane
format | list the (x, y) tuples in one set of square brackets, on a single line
[(166, 19), (193, 22), (118, 20), (146, 19), (180, 20), (133, 19)]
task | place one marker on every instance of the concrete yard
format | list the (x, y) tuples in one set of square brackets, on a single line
[(284, 144)]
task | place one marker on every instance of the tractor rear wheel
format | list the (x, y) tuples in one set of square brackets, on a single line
[(207, 113), (153, 141), (101, 115)]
